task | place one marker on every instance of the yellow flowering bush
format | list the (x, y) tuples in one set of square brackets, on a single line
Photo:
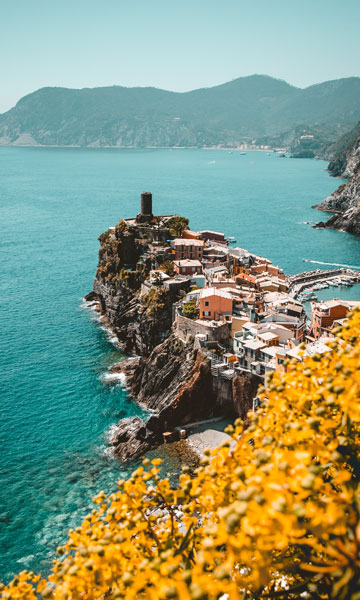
[(273, 514)]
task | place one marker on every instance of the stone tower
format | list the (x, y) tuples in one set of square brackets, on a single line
[(145, 215)]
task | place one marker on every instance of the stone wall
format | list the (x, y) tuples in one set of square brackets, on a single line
[(185, 328)]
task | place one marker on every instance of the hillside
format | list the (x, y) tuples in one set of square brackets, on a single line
[(228, 114), (344, 154), (345, 201)]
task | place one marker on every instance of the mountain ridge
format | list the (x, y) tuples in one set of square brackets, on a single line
[(228, 114)]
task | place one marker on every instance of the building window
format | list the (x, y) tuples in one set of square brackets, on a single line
[(206, 313), (207, 303)]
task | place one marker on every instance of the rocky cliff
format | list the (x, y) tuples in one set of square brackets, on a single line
[(344, 154), (175, 383), (140, 321), (345, 201), (169, 376)]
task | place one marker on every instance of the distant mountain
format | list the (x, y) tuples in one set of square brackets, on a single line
[(242, 110)]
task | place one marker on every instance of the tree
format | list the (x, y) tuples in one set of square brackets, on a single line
[(177, 225), (168, 268), (189, 309)]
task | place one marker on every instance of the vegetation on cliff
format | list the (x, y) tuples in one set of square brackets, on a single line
[(275, 514), (177, 225), (189, 310)]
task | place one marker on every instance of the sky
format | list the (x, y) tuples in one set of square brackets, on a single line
[(176, 45)]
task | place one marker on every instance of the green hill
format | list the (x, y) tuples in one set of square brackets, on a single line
[(237, 111)]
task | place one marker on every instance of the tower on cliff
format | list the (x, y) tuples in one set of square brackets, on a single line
[(145, 215)]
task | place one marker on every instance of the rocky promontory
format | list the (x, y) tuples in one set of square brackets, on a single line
[(345, 200), (137, 291)]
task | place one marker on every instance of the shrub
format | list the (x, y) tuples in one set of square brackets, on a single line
[(177, 225), (274, 514), (189, 310), (168, 268)]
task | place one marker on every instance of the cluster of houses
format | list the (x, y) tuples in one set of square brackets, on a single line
[(235, 305), (245, 317)]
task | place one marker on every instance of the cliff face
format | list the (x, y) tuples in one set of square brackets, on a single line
[(175, 381), (345, 201), (141, 321), (344, 155)]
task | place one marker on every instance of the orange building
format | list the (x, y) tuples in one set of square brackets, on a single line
[(244, 278), (191, 235), (265, 266), (215, 304), (323, 315)]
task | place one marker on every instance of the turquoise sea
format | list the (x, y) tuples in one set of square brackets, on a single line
[(56, 405)]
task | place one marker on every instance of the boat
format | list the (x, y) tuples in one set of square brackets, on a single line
[(231, 239), (309, 295), (242, 153)]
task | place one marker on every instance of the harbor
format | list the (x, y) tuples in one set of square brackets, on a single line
[(303, 286)]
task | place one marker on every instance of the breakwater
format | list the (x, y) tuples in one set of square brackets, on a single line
[(300, 281)]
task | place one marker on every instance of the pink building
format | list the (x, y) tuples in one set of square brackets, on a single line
[(187, 266), (192, 249)]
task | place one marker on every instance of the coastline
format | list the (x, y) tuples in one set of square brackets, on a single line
[(224, 148), (207, 435)]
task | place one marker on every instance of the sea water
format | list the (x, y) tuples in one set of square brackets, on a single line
[(57, 399)]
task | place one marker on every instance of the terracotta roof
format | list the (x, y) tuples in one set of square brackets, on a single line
[(187, 242), (187, 262)]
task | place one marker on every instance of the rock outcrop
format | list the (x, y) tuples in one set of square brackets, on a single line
[(175, 383), (344, 155), (139, 315), (244, 391), (345, 201)]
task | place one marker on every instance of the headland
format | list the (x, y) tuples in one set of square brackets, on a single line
[(204, 321)]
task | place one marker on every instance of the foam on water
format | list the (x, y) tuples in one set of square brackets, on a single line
[(110, 377), (331, 264)]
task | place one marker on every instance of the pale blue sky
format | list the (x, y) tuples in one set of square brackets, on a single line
[(178, 45)]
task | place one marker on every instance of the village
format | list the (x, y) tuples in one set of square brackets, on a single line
[(240, 308)]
